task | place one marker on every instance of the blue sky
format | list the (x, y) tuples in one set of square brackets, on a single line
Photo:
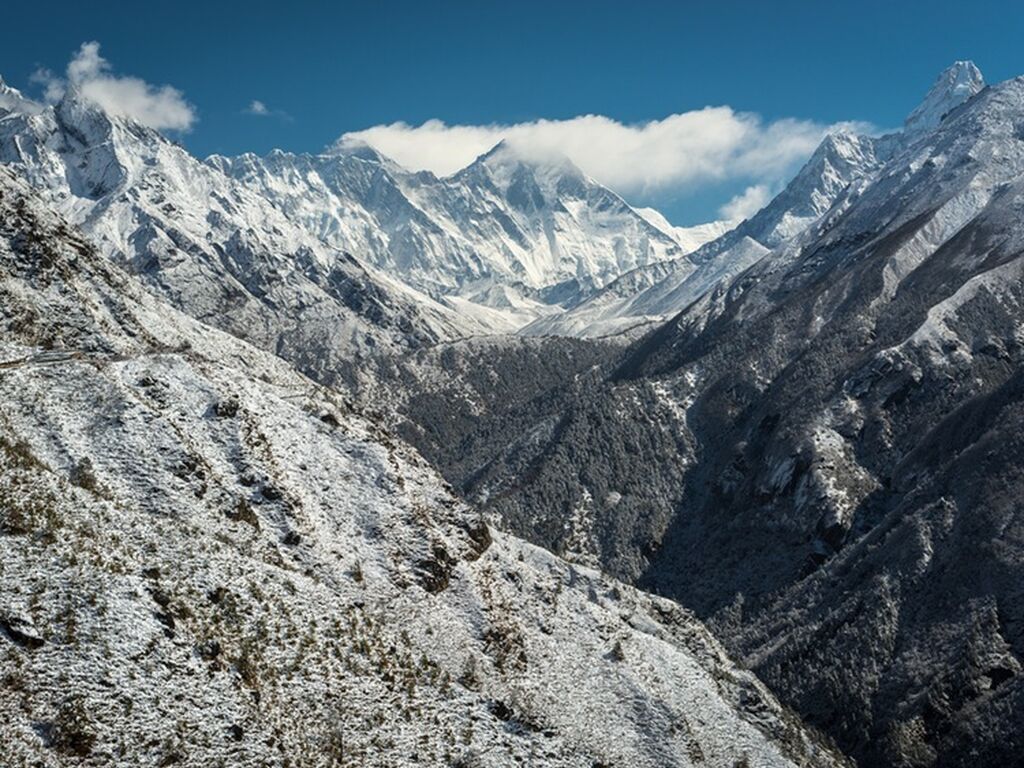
[(326, 69)]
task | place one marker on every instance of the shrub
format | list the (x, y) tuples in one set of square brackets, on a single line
[(72, 730), (84, 476)]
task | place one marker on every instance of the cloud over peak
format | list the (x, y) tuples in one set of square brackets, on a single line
[(747, 203), (705, 145), (162, 107)]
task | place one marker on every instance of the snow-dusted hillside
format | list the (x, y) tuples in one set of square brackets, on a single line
[(823, 454), (205, 558)]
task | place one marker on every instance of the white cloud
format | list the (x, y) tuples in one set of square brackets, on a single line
[(747, 203), (53, 86), (260, 109), (161, 107), (710, 144)]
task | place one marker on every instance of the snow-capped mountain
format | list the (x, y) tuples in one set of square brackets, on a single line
[(207, 558), (353, 246), (838, 169), (516, 234), (209, 244), (953, 87), (653, 293)]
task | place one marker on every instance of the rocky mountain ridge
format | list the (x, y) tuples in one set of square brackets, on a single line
[(210, 246), (842, 164)]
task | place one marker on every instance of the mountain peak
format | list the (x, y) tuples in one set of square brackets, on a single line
[(953, 87), (5, 88), (508, 160), (498, 149), (501, 154), (962, 72), (12, 99), (350, 147), (840, 143), (83, 118)]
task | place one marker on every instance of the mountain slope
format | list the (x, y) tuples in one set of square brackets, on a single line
[(850, 386), (646, 296), (655, 292), (690, 238), (206, 558), (839, 167)]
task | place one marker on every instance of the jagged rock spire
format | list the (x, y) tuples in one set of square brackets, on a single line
[(953, 87)]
